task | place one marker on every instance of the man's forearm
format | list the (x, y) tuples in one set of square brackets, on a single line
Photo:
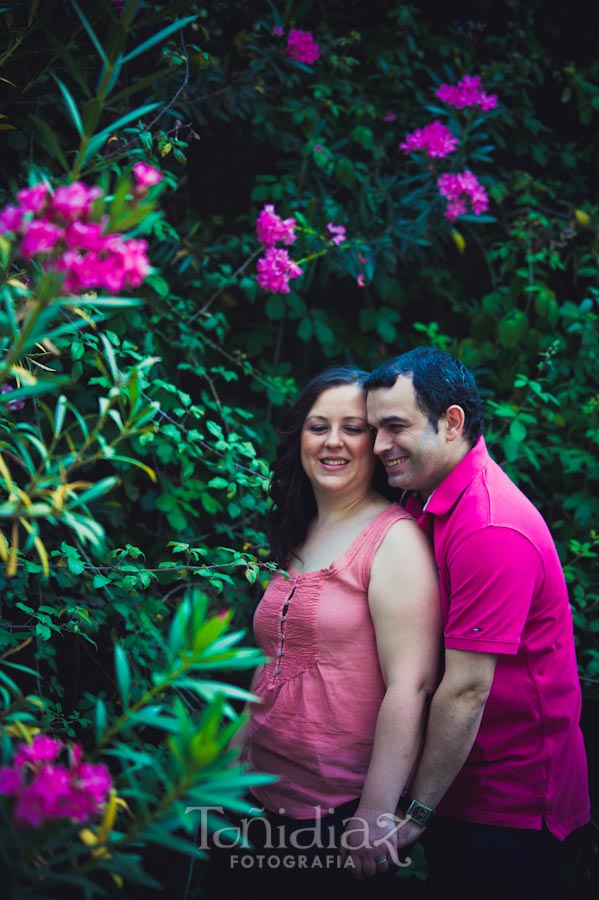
[(453, 724)]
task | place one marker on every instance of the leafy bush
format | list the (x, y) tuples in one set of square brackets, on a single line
[(135, 430)]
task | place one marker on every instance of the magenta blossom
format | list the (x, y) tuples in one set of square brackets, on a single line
[(40, 237), (468, 92), (11, 219), (435, 139), (42, 749), (270, 228), (146, 176), (275, 270), (338, 232), (459, 186), (277, 30), (302, 47), (46, 791), (32, 199), (73, 201)]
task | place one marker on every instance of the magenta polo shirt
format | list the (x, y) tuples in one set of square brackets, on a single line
[(503, 591)]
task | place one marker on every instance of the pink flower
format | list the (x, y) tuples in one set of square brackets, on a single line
[(275, 269), (73, 201), (338, 232), (146, 176), (277, 30), (85, 235), (467, 92), (46, 791), (94, 780), (360, 280), (10, 779), (302, 47), (436, 139), (42, 749), (11, 219), (40, 237), (454, 187), (270, 228), (132, 257), (32, 199), (389, 117)]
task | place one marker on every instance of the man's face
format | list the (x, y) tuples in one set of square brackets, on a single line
[(415, 456)]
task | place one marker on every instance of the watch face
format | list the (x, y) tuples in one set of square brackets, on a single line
[(418, 813)]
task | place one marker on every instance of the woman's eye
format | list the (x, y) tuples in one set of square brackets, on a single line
[(318, 429), (354, 429)]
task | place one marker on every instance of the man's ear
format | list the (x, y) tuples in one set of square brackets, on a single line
[(454, 417)]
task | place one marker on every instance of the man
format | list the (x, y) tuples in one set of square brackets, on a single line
[(503, 764)]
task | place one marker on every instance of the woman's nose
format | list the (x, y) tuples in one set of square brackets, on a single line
[(334, 438)]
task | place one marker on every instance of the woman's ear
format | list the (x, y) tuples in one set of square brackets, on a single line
[(454, 417)]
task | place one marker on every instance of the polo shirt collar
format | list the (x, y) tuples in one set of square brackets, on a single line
[(446, 495)]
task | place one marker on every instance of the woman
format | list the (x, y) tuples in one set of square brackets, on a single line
[(352, 637)]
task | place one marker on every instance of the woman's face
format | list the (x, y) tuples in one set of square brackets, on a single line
[(336, 442)]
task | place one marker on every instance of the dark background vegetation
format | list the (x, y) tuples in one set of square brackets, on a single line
[(237, 125)]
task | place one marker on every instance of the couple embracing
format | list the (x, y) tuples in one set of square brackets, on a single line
[(421, 679)]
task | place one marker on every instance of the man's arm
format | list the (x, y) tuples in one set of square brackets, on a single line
[(454, 719)]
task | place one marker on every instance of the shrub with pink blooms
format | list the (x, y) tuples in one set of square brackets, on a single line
[(459, 186), (43, 789), (435, 139), (466, 93), (302, 47), (67, 231)]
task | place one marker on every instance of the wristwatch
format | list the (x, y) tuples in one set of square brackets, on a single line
[(418, 812)]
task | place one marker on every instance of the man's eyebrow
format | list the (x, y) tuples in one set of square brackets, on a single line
[(392, 420)]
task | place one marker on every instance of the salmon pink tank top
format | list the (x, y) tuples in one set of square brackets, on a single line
[(322, 686)]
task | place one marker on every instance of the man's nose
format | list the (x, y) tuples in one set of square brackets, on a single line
[(381, 443)]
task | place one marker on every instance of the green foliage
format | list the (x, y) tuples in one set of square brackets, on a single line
[(134, 480)]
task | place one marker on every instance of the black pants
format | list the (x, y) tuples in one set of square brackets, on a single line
[(488, 862), (276, 868)]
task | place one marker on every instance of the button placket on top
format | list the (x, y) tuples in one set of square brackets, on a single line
[(284, 614)]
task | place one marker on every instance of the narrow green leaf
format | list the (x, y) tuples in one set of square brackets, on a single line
[(91, 33), (71, 105), (59, 414), (101, 718), (159, 36), (102, 487), (123, 674)]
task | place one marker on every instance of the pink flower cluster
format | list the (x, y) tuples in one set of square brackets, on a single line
[(468, 92), (436, 139), (302, 47), (45, 790), (459, 186), (337, 232), (57, 228), (270, 228), (275, 268)]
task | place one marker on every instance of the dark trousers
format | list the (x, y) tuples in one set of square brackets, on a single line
[(489, 862), (276, 868)]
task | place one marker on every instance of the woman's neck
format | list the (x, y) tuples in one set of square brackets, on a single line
[(330, 509)]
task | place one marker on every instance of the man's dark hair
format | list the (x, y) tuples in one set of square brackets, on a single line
[(440, 380)]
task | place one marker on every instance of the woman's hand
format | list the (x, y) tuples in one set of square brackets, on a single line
[(369, 842)]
